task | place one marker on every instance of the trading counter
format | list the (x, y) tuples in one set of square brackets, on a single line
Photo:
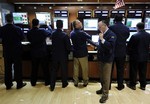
[(94, 71)]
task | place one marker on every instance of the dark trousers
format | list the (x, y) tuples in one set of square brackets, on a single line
[(36, 62), (16, 64), (137, 67), (64, 72), (120, 62)]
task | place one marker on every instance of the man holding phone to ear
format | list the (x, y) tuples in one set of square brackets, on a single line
[(105, 56)]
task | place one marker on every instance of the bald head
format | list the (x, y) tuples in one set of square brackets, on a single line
[(102, 25), (77, 24)]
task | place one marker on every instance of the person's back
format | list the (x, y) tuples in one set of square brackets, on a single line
[(122, 32), (60, 45), (12, 50), (79, 40), (139, 49), (37, 38), (12, 41)]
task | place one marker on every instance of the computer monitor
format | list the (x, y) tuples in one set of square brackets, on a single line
[(131, 33), (20, 18), (95, 38), (147, 23), (90, 24), (148, 31), (44, 17), (64, 19), (132, 22), (111, 21)]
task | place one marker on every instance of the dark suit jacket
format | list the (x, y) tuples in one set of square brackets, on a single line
[(11, 39), (122, 32), (79, 40), (106, 50), (61, 45), (138, 46), (37, 38)]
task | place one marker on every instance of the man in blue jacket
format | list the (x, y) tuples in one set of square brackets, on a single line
[(122, 32), (12, 50), (37, 38), (138, 50), (61, 47), (80, 52), (105, 56)]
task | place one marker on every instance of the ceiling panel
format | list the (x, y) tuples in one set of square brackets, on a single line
[(13, 1)]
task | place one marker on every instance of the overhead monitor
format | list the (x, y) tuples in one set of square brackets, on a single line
[(147, 23), (131, 33), (95, 38), (111, 21), (132, 22), (44, 17), (90, 24), (65, 22), (20, 18)]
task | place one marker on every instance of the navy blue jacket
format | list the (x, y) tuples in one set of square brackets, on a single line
[(11, 39), (79, 40), (138, 46), (106, 50), (122, 32), (61, 45), (37, 38)]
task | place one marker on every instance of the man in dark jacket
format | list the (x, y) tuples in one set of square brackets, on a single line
[(138, 50), (37, 38), (122, 32), (105, 56), (80, 52), (61, 47), (12, 50)]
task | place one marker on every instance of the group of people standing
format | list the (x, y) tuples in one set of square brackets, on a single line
[(112, 49)]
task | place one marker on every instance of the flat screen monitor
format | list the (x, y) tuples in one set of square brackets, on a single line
[(95, 38), (65, 22), (111, 21), (131, 33), (132, 22), (90, 24), (20, 18), (147, 23), (44, 17)]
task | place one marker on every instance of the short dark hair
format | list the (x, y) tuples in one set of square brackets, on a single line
[(118, 18), (59, 24), (9, 17), (35, 22), (140, 25)]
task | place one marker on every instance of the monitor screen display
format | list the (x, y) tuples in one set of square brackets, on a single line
[(20, 18), (111, 21), (147, 23), (65, 22), (131, 33), (44, 17), (95, 38), (90, 24), (148, 31), (132, 22)]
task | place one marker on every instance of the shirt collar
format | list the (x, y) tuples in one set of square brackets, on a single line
[(106, 31)]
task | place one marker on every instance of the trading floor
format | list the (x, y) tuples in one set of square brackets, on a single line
[(41, 94)]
